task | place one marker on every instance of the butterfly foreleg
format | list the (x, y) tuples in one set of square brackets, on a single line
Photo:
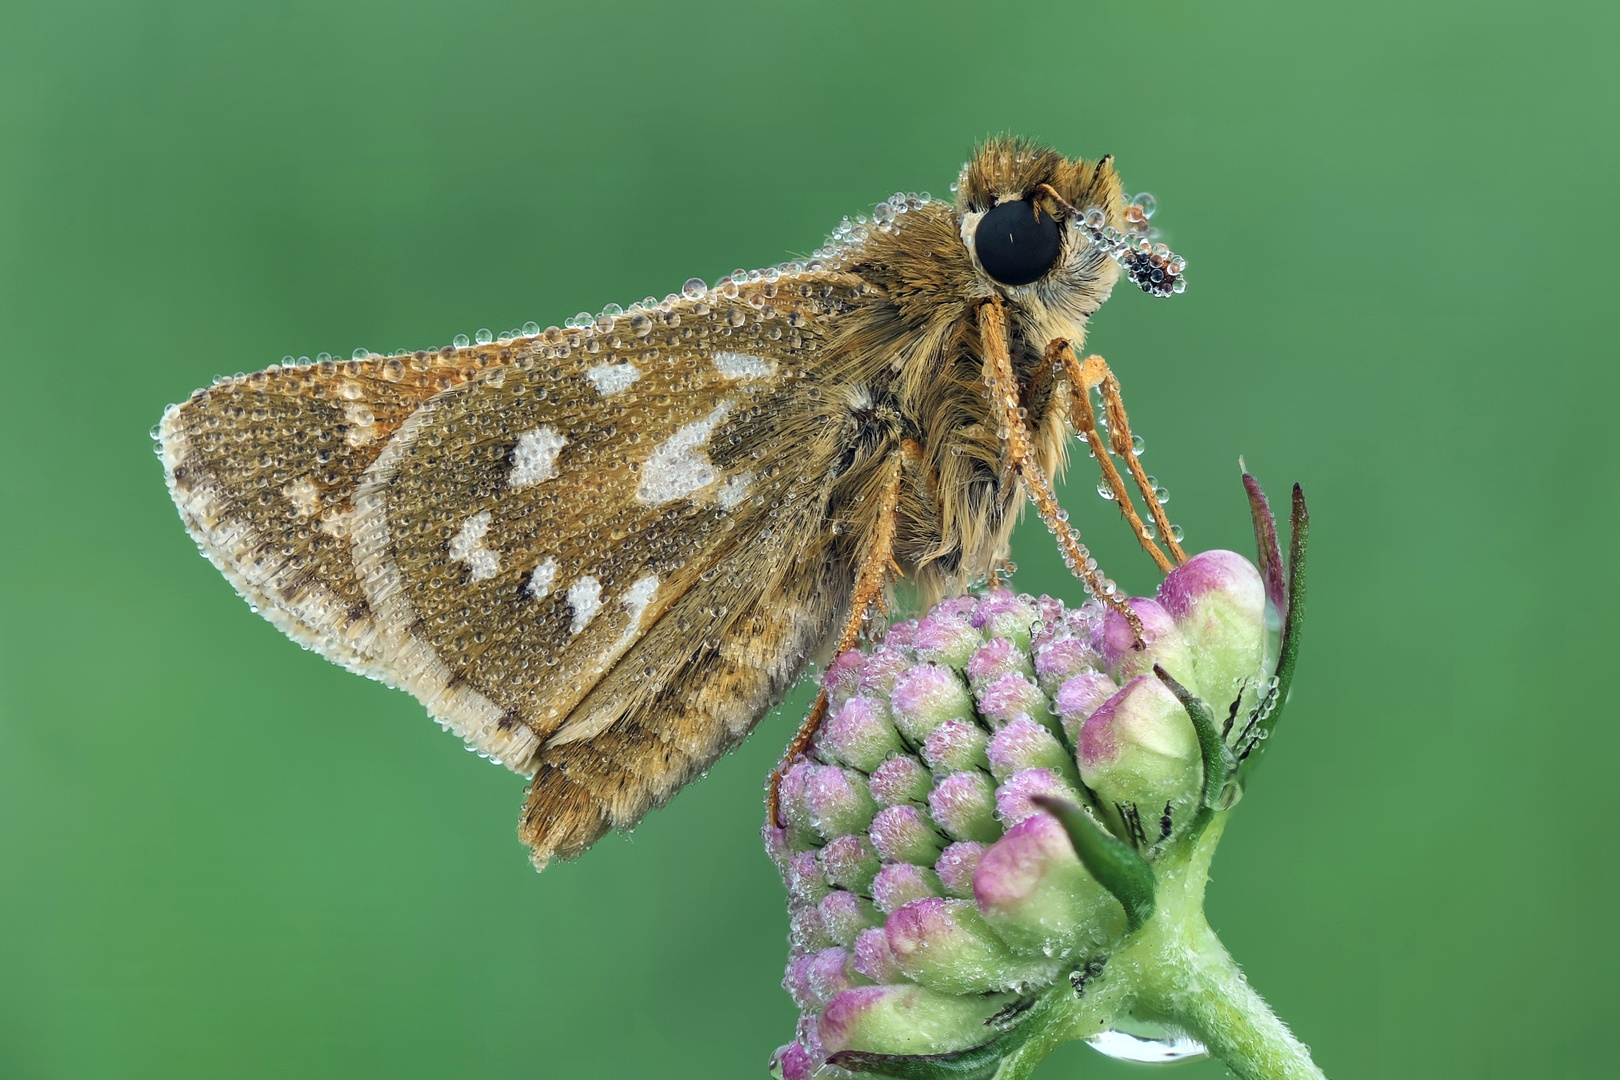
[(1019, 456), (1083, 418), (874, 569), (1094, 372)]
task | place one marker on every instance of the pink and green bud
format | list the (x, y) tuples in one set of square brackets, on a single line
[(995, 658), (901, 780), (956, 745), (790, 795), (793, 1062), (845, 915), (1218, 601), (806, 931), (1025, 744), (1012, 697), (878, 673), (1063, 659), (860, 735), (927, 696), (956, 866), (873, 960), (837, 801), (842, 680), (947, 639), (898, 884), (1013, 796), (803, 878), (946, 945), (1003, 615), (1140, 749), (964, 805), (1160, 635), (1033, 891), (812, 979), (1079, 697), (903, 834), (905, 1019), (849, 862)]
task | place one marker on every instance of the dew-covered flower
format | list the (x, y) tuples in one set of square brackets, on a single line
[(982, 822)]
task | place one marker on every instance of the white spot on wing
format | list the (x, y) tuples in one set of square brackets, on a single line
[(468, 546), (735, 490), (540, 581), (535, 458), (585, 597), (736, 365), (304, 496), (635, 600), (610, 379), (362, 423), (679, 467)]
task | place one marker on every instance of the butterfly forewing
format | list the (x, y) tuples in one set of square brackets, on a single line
[(581, 539)]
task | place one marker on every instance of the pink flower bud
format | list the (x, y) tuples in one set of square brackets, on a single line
[(905, 1019), (837, 801), (900, 780), (1139, 748), (1013, 797), (926, 696), (1218, 601), (1063, 659), (790, 795), (803, 878), (900, 883), (1012, 697), (1024, 744), (813, 978), (879, 671), (900, 834), (1079, 697), (806, 931), (942, 639), (873, 958), (860, 735), (845, 915), (956, 745), (995, 658), (849, 862), (843, 678), (793, 1062), (1159, 634), (946, 945), (1003, 615), (1034, 892), (956, 867), (964, 805)]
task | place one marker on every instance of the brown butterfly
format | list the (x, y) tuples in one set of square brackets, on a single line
[(599, 553)]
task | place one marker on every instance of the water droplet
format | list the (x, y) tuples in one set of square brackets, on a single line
[(1160, 1050), (694, 288), (358, 354), (461, 341), (1148, 203), (1176, 534), (1105, 491), (531, 329), (484, 337), (1095, 218), (1138, 447)]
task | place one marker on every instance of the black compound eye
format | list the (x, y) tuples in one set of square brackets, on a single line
[(1017, 242)]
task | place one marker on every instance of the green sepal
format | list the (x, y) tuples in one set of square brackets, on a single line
[(1118, 866), (1269, 710), (1219, 763)]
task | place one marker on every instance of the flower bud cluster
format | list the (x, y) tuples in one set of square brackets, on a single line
[(927, 893)]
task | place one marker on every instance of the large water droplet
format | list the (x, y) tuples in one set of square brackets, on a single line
[(1158, 1050)]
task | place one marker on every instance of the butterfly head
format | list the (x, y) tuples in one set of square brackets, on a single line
[(1056, 233)]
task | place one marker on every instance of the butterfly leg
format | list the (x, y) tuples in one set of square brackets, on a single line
[(1094, 372), (1020, 444), (1083, 418), (872, 575)]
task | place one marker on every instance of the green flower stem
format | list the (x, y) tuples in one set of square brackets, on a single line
[(1175, 971)]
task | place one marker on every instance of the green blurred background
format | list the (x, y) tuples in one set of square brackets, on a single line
[(221, 856)]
